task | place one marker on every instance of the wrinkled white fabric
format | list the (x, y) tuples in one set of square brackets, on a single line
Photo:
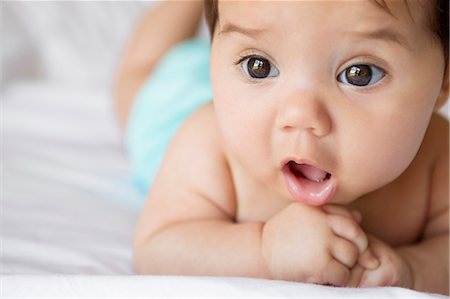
[(68, 203)]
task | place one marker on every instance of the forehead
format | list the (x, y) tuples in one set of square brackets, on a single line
[(260, 13), (397, 20)]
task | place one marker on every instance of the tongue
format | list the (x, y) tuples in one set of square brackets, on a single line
[(310, 172)]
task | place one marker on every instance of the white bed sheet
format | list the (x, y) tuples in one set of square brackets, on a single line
[(69, 207), (184, 287), (68, 203)]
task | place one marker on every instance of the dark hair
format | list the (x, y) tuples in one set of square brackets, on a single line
[(438, 25), (211, 15)]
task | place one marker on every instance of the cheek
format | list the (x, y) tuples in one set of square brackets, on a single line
[(243, 121), (383, 147), (242, 127), (388, 132)]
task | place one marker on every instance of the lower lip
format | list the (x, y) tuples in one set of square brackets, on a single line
[(309, 192)]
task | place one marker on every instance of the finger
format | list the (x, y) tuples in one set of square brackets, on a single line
[(337, 210), (344, 252), (342, 211), (356, 274), (348, 229), (357, 216), (368, 260), (336, 274), (373, 278)]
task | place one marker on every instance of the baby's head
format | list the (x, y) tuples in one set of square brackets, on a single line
[(327, 100)]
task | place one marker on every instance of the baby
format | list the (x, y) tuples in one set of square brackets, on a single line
[(320, 158)]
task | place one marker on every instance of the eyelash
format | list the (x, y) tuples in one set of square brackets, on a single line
[(242, 58)]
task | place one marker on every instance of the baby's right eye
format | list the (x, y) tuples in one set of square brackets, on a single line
[(258, 67)]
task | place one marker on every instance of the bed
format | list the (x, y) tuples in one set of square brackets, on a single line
[(68, 203)]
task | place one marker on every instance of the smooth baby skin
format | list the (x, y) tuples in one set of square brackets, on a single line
[(226, 200)]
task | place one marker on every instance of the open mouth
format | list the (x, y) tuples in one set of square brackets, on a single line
[(309, 184), (308, 172)]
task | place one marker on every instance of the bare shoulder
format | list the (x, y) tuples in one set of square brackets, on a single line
[(437, 135), (199, 144), (194, 180), (436, 144)]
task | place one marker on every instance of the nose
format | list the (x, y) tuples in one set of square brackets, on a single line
[(304, 111)]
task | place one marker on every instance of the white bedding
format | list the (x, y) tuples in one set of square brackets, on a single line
[(69, 207), (184, 287), (68, 203)]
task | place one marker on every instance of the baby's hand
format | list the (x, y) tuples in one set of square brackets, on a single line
[(313, 244), (392, 271)]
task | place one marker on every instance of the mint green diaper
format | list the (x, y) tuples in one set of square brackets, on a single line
[(179, 85)]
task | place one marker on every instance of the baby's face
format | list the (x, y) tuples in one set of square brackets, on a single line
[(324, 101)]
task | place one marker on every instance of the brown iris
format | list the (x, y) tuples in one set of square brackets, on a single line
[(258, 67), (359, 75)]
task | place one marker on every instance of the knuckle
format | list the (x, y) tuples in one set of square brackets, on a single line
[(359, 237), (354, 231), (347, 252)]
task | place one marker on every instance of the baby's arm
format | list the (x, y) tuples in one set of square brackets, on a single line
[(423, 266), (188, 225), (165, 24)]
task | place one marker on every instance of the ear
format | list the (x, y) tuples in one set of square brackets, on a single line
[(443, 95)]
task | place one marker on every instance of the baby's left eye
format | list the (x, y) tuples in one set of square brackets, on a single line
[(361, 75)]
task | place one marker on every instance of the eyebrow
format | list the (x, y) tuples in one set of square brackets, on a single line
[(386, 34), (249, 32)]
